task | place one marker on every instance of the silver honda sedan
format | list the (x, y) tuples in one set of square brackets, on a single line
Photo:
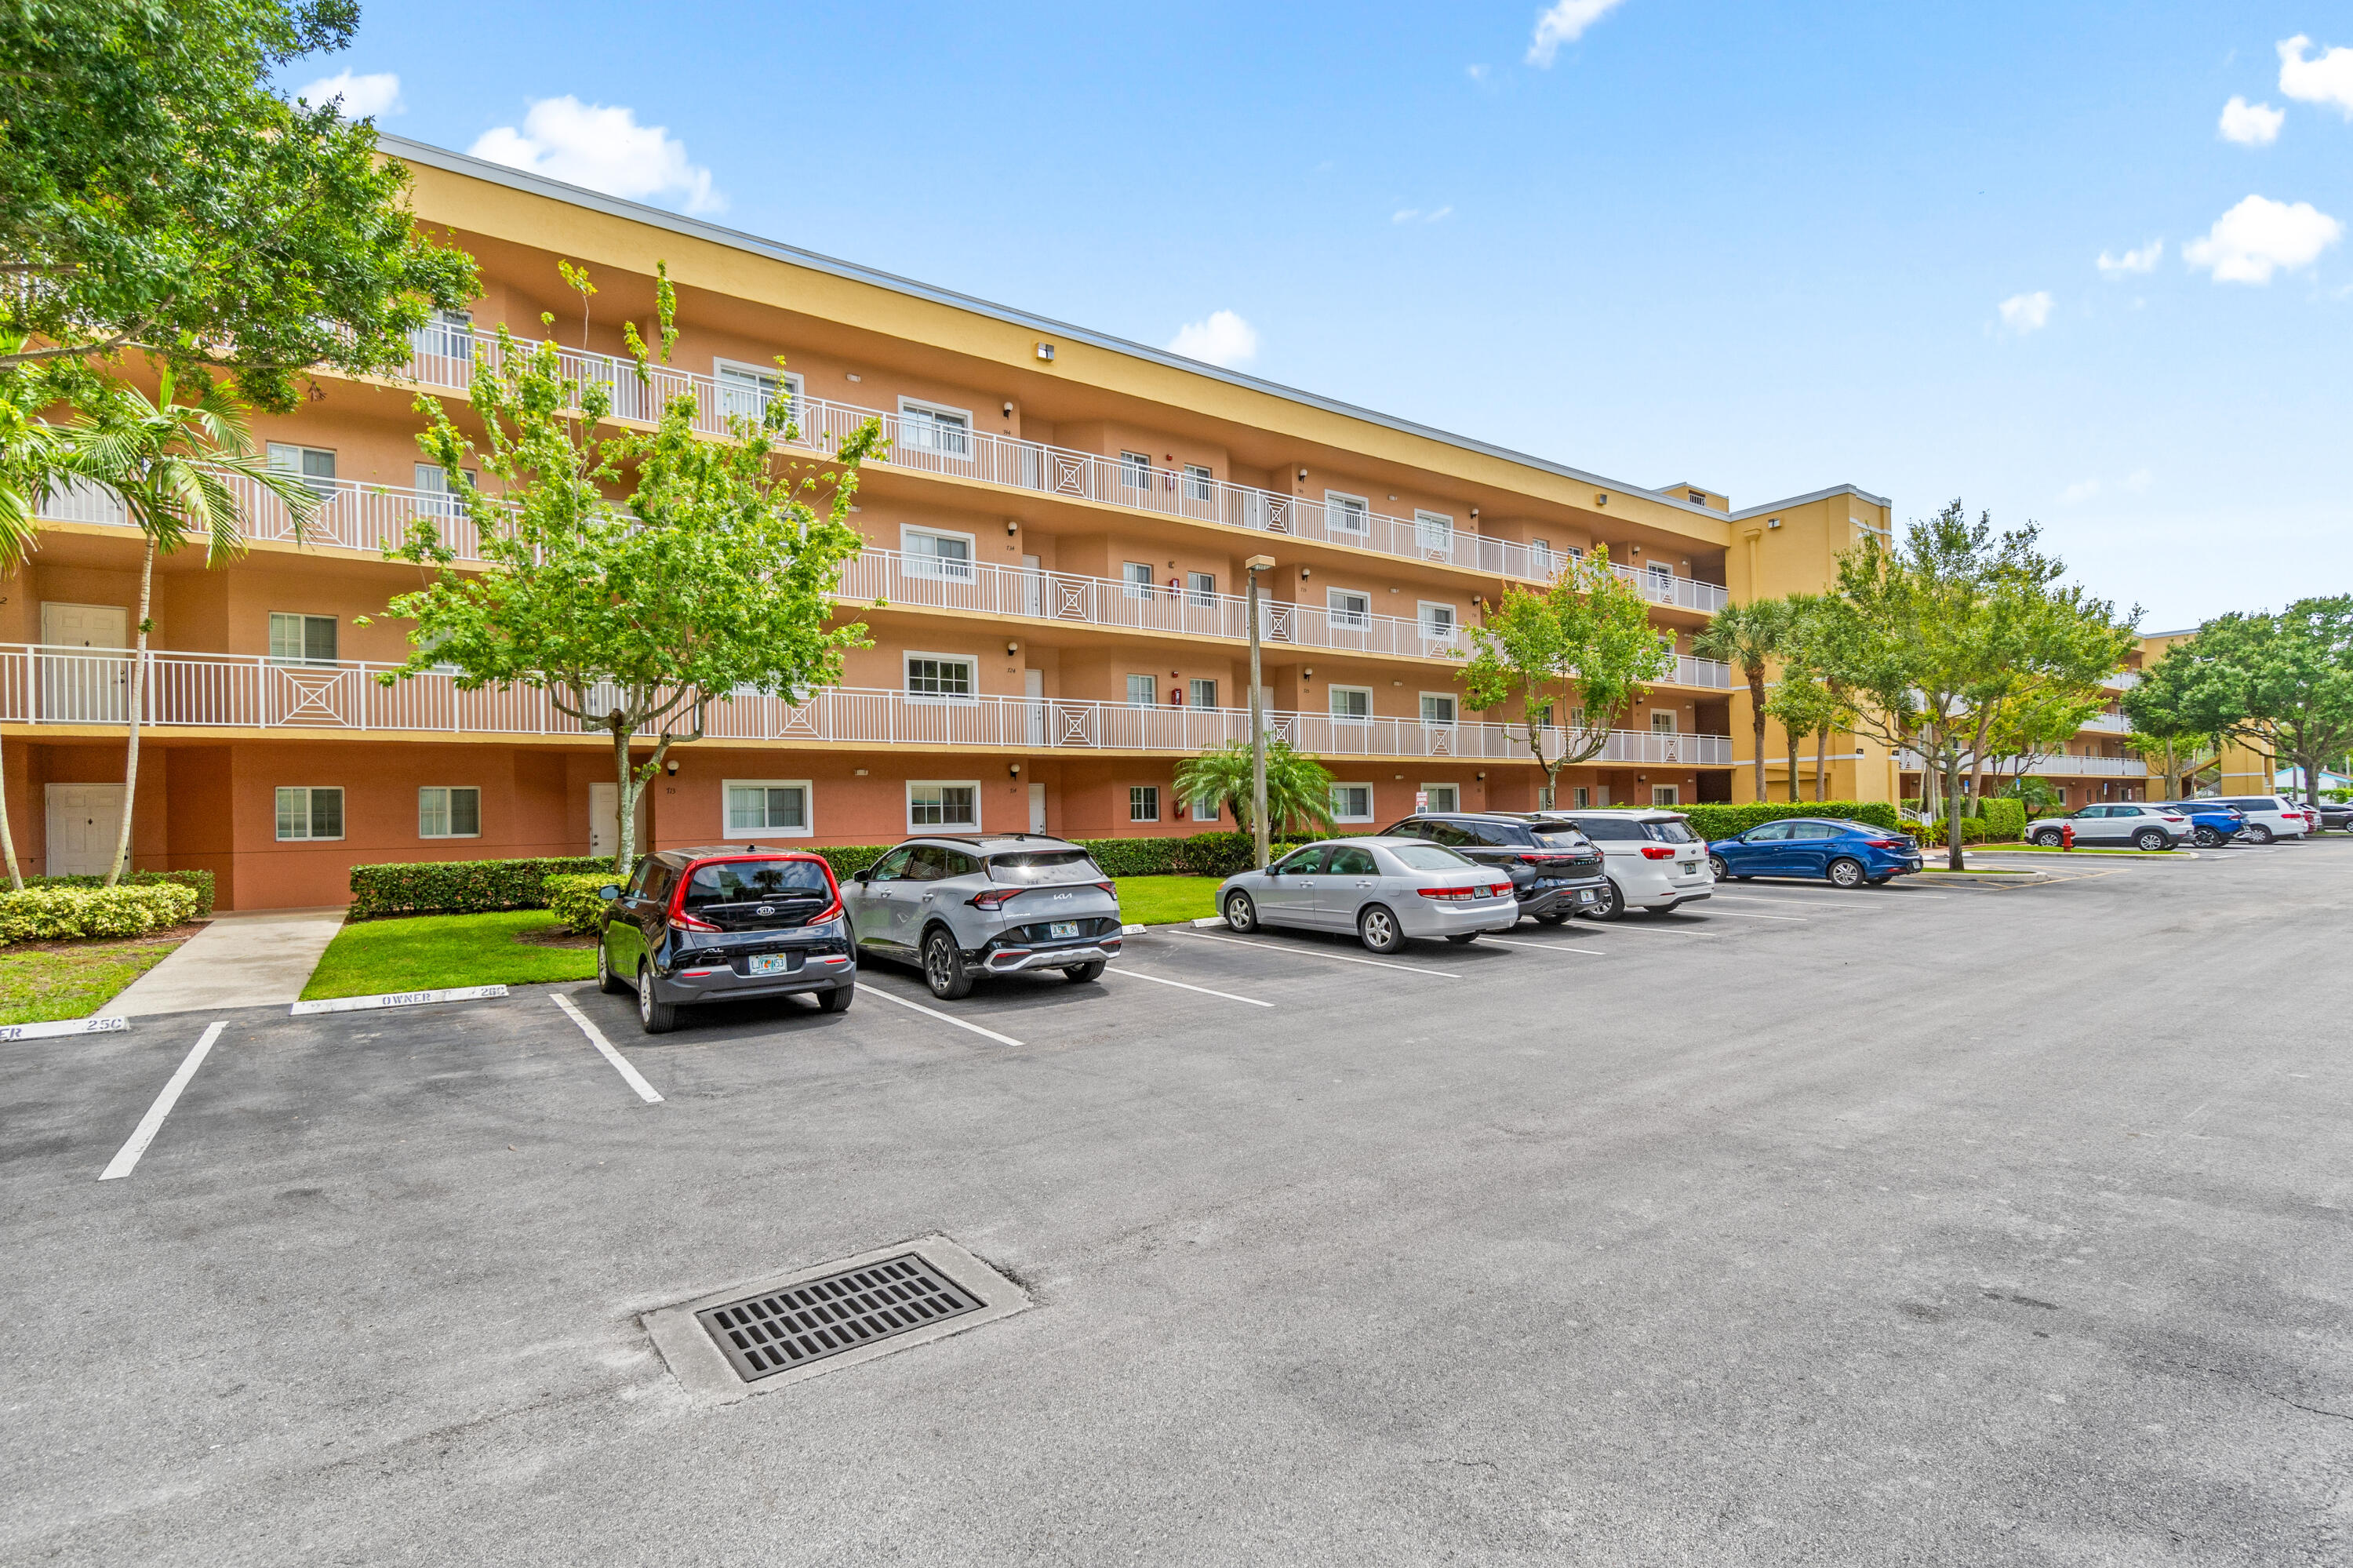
[(1384, 890)]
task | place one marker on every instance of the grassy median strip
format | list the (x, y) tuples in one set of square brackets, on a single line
[(43, 981), (438, 952), (1165, 900)]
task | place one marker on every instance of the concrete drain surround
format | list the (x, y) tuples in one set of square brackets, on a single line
[(768, 1333)]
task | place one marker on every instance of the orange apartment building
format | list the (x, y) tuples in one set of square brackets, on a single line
[(1058, 537)]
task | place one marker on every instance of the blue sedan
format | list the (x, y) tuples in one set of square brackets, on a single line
[(1847, 855)]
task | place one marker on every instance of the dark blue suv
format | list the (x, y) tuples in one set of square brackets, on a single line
[(1848, 854), (2215, 821)]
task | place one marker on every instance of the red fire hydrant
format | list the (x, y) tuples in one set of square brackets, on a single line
[(2066, 835)]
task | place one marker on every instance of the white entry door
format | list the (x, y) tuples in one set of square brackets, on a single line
[(1037, 808), (1033, 587), (605, 821), (83, 821), (1033, 690), (92, 687)]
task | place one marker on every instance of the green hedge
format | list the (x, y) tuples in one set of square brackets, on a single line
[(461, 886), (2005, 821), (572, 898), (201, 881), (59, 913), (1724, 821)]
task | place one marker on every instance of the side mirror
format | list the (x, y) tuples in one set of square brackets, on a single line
[(863, 876), (609, 892)]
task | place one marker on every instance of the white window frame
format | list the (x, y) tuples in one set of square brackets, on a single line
[(449, 793), (1666, 728), (1421, 616), (1338, 614), (924, 565), (914, 784), (1545, 793), (1135, 469), (308, 791), (433, 485), (1200, 481), (446, 334), (304, 660), (1133, 586), (930, 428), (1332, 692), (1152, 683), (1193, 692), (1426, 525), (1342, 509), (1661, 574), (1201, 809), (1453, 794), (789, 386), (1540, 558), (906, 677), (1666, 795), (1201, 589), (1340, 816), (727, 828), (1152, 799), (321, 486), (1453, 706)]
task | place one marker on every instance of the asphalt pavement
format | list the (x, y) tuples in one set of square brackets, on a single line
[(1926, 1225)]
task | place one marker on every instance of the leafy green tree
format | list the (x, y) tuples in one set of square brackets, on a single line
[(31, 453), (170, 462), (2172, 741), (1749, 637), (2280, 683), (1805, 704), (1584, 641), (1934, 637), (157, 194), (2037, 720), (1298, 787), (712, 576)]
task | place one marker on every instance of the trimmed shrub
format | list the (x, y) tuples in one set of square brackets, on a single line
[(2005, 821), (59, 914), (1724, 821), (572, 897), (462, 887), (201, 881)]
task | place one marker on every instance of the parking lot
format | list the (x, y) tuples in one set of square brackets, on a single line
[(1933, 1222)]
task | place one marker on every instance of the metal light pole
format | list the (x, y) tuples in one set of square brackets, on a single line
[(1254, 565)]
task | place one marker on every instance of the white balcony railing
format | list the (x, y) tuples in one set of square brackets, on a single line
[(371, 516), (45, 685), (2091, 767), (2109, 723), (447, 359)]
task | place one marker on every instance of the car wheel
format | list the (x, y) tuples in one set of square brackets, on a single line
[(2151, 838), (1079, 974), (1463, 940), (2258, 834), (655, 1017), (2048, 841), (1611, 904), (944, 969), (1240, 913), (1555, 918), (2207, 838), (1845, 873), (1718, 869), (1376, 927), (607, 982), (838, 999)]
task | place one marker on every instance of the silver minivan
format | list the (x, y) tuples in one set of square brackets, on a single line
[(964, 905)]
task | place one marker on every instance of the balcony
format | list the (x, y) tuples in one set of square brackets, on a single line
[(370, 517), (79, 687), (447, 360), (2078, 766), (2108, 724)]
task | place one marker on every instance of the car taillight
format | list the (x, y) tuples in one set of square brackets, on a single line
[(1453, 895), (1879, 843), (1500, 889), (1657, 851), (681, 921), (995, 898)]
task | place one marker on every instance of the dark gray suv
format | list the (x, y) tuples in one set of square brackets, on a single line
[(1555, 869), (963, 906)]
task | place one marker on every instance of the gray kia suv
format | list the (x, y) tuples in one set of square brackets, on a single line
[(963, 906)]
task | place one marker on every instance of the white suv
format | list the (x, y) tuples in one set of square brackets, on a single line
[(1654, 861), (2268, 816)]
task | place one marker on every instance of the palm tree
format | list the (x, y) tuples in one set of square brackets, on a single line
[(1298, 787), (1749, 635), (30, 456), (170, 462)]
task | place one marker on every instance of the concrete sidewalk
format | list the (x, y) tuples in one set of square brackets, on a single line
[(239, 961)]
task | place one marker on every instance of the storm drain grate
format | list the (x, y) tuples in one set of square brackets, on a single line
[(764, 1334)]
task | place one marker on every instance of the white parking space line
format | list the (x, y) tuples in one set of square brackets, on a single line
[(1180, 985), (1826, 901), (1545, 947), (127, 1160), (1336, 958), (629, 1074), (1742, 914), (867, 988)]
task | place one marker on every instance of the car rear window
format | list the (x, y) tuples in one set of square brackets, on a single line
[(1558, 835), (755, 881), (1427, 857), (1675, 832), (1030, 867), (1612, 830)]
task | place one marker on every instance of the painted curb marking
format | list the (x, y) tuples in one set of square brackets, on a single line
[(69, 1026), (397, 998)]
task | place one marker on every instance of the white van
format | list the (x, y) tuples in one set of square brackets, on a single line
[(1655, 860), (2268, 816)]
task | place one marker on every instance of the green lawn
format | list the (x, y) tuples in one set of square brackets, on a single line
[(1163, 900), (41, 984), (436, 952)]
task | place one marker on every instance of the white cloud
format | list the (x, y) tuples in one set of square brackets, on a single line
[(2326, 78), (363, 96), (1405, 215), (2139, 479), (2023, 313), (2083, 489), (604, 149), (1565, 23), (2250, 124), (2142, 259), (1222, 338), (2259, 237), (1477, 73), (1442, 212)]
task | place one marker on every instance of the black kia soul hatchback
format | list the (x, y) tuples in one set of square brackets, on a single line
[(725, 925)]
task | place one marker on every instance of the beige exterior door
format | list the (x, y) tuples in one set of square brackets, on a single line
[(1033, 691), (1037, 808), (605, 821), (83, 819), (92, 687)]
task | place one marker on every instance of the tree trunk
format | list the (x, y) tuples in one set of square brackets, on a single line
[(625, 825), (1953, 814), (1821, 763), (138, 703), (1756, 673), (1795, 788), (9, 839)]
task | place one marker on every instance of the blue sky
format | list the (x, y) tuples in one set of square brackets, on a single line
[(1766, 247)]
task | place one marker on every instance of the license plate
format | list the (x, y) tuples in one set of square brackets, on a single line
[(1587, 896), (1060, 928), (774, 963)]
